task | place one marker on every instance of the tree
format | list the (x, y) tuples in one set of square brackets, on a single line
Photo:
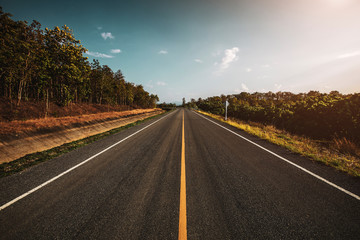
[(313, 114), (120, 88), (153, 100), (68, 68), (49, 65)]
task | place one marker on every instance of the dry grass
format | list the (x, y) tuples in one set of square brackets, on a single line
[(29, 160), (17, 127), (345, 146), (9, 111), (342, 154)]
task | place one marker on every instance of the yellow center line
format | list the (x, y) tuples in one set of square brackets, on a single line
[(182, 214)]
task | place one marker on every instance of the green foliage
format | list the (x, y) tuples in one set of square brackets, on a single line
[(49, 65), (167, 106), (316, 115)]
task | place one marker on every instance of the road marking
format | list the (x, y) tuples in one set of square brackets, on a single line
[(76, 166), (182, 211), (288, 161)]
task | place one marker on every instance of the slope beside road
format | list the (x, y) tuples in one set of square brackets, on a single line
[(19, 138), (234, 189)]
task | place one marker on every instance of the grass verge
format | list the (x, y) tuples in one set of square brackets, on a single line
[(38, 157), (301, 145)]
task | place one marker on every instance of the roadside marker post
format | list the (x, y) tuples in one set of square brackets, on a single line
[(226, 106)]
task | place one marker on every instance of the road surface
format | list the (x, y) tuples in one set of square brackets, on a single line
[(127, 186)]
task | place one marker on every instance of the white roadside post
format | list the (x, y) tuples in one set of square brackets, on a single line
[(226, 106)]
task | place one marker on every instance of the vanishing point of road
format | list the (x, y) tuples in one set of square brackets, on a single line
[(180, 175)]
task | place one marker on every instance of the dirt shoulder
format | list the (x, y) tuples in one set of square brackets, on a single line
[(19, 138)]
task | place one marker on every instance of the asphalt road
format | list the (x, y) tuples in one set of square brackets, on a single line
[(234, 189)]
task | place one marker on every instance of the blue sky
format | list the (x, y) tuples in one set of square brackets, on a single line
[(201, 48)]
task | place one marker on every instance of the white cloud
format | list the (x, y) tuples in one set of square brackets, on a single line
[(107, 35), (248, 70), (347, 55), (99, 28), (198, 60), (159, 83), (115, 51), (163, 52), (99, 55), (266, 65), (244, 87), (230, 56)]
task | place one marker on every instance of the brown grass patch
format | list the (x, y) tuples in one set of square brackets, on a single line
[(8, 168), (16, 128), (345, 146), (342, 154), (34, 109)]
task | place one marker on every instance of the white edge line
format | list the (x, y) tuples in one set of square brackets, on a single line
[(76, 166), (288, 161)]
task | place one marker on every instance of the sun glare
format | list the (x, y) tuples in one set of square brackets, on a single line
[(339, 2)]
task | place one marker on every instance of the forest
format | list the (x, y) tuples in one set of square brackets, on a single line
[(316, 115), (48, 65)]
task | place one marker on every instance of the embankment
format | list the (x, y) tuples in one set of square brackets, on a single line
[(18, 139)]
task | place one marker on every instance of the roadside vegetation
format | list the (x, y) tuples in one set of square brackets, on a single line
[(167, 106), (47, 82), (323, 127), (38, 157), (49, 66), (16, 128), (335, 154)]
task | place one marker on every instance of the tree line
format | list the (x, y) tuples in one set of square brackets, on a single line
[(166, 106), (313, 114), (49, 65)]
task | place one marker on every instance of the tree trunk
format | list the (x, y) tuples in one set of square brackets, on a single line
[(20, 92), (10, 87), (23, 80), (47, 103)]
